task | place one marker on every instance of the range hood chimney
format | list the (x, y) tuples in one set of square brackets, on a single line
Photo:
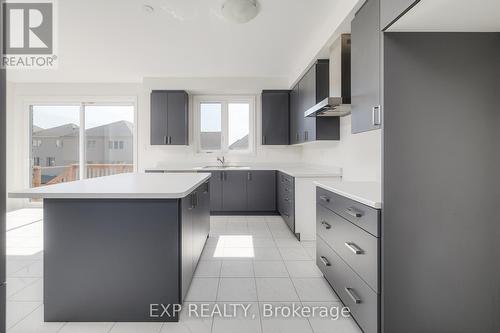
[(340, 64)]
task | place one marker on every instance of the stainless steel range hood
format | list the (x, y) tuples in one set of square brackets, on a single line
[(340, 82)]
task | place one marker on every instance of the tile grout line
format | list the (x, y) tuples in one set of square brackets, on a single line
[(26, 286), (24, 317)]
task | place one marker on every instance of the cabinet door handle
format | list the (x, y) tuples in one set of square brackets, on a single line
[(225, 175), (207, 187), (352, 294), (306, 136), (353, 212), (376, 116), (249, 176), (354, 248), (165, 140), (326, 225), (264, 140), (324, 261), (191, 201), (324, 198), (222, 176)]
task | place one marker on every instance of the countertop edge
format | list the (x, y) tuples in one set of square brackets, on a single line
[(74, 195), (364, 201)]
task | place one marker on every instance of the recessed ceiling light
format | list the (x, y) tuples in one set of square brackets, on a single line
[(240, 11), (148, 9)]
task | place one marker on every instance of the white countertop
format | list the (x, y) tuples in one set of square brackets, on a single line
[(129, 185), (368, 193), (294, 170)]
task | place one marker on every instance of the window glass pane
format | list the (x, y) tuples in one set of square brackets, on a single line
[(238, 125), (109, 131), (55, 144), (210, 126)]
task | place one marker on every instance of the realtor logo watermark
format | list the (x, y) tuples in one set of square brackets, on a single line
[(29, 36)]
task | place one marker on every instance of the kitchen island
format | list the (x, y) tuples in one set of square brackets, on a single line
[(118, 248)]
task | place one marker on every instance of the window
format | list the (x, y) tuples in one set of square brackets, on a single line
[(225, 124), (116, 145), (51, 161), (59, 126)]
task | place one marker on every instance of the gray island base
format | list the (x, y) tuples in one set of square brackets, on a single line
[(112, 258)]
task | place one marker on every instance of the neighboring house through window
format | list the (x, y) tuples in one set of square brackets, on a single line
[(51, 161)]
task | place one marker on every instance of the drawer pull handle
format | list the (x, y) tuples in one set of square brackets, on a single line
[(354, 248), (325, 261), (353, 295), (324, 198), (326, 225), (353, 212)]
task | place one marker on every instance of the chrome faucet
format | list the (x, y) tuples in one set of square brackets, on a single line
[(221, 160)]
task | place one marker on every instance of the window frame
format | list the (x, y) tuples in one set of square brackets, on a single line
[(28, 101), (224, 100)]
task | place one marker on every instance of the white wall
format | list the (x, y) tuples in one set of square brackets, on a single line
[(359, 155)]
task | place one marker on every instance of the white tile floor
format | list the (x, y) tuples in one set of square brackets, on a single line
[(250, 260)]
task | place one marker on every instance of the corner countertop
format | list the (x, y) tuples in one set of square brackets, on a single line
[(368, 193), (122, 186), (294, 170)]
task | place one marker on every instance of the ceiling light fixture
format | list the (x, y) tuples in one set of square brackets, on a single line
[(147, 9), (240, 11)]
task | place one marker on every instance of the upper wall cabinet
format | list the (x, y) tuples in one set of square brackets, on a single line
[(296, 123), (312, 88), (275, 117), (365, 68), (392, 10), (169, 117)]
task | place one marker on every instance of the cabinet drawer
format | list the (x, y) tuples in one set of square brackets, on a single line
[(363, 216), (359, 249), (362, 301)]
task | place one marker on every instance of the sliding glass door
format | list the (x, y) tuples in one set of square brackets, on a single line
[(54, 144), (109, 137), (75, 141)]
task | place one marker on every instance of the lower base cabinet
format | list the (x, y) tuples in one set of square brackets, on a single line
[(349, 256), (286, 199), (195, 228)]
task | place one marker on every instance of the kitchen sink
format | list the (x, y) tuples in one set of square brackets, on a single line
[(226, 167)]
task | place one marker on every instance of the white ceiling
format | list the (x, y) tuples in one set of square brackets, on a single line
[(452, 16), (116, 41)]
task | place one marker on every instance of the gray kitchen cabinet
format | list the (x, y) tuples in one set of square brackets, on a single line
[(216, 183), (275, 117), (392, 10), (366, 68), (169, 117), (234, 191), (261, 190), (307, 98), (349, 256), (159, 132), (201, 221), (187, 249), (286, 199), (296, 132), (312, 88)]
